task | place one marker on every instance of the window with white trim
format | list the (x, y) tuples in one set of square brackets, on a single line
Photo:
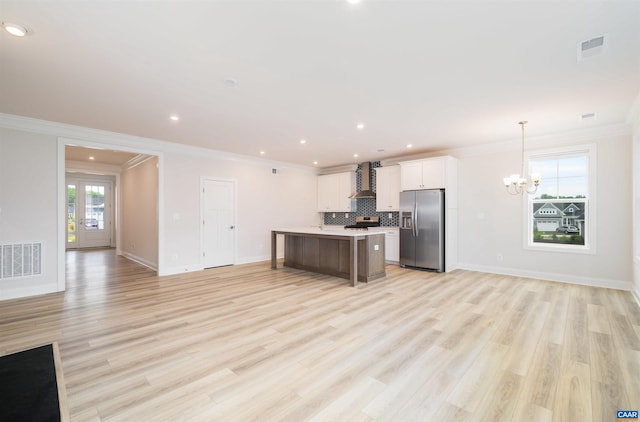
[(561, 213)]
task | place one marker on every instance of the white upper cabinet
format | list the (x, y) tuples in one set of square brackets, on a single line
[(388, 188), (334, 191), (430, 173)]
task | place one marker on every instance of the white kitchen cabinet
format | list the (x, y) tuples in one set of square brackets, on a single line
[(327, 191), (411, 175), (334, 191), (430, 173), (387, 188)]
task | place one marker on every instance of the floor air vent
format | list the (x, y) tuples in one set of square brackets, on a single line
[(20, 260)]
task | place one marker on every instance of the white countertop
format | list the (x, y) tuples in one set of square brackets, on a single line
[(337, 231), (380, 229)]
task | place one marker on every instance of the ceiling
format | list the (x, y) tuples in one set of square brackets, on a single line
[(434, 74), (92, 155)]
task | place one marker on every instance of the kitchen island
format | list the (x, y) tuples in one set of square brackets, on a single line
[(356, 255)]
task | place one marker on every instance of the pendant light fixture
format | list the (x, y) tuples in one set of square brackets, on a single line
[(517, 184)]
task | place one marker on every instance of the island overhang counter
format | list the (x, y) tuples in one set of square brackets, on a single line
[(353, 255)]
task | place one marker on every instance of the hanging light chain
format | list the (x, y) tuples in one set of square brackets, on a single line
[(516, 184)]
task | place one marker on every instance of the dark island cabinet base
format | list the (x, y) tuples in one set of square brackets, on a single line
[(332, 256)]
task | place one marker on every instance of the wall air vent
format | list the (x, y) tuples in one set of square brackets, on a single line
[(20, 260), (591, 48), (588, 116)]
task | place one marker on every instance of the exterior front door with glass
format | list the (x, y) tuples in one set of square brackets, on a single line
[(89, 214)]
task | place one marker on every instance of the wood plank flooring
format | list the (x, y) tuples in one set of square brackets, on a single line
[(247, 343)]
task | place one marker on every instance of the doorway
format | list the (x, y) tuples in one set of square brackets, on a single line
[(218, 208), (87, 160)]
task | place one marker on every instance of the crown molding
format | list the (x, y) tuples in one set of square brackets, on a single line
[(582, 136), (131, 143), (136, 161), (151, 146)]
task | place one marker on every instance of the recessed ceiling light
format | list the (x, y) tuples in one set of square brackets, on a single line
[(409, 146), (174, 118), (303, 141), (355, 155), (315, 163), (262, 153), (15, 29), (92, 158), (353, 1), (360, 126)]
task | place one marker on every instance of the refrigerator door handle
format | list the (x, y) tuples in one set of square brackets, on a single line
[(415, 219)]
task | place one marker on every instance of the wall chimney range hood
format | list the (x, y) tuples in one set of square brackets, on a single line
[(365, 182)]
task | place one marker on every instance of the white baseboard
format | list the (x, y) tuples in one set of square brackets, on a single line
[(180, 269), (562, 278), (636, 296), (140, 261), (191, 268), (253, 259), (7, 294)]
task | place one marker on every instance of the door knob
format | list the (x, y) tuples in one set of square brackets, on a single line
[(232, 227)]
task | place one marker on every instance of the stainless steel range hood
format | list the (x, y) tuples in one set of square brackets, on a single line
[(365, 185)]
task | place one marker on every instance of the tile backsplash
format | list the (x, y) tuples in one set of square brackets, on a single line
[(365, 206)]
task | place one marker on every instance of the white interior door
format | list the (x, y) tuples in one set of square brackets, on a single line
[(218, 223), (89, 213)]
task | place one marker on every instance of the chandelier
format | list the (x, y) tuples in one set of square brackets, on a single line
[(517, 185)]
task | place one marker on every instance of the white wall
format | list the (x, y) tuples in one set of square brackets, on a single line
[(29, 198), (264, 201), (635, 121), (490, 220), (139, 212), (28, 205)]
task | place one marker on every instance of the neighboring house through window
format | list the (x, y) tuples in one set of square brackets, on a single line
[(561, 214)]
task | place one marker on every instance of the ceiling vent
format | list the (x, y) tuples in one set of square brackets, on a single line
[(591, 48)]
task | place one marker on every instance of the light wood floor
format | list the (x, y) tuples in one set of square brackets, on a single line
[(249, 343)]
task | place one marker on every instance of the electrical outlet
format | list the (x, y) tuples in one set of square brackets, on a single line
[(334, 215), (346, 215), (390, 216), (376, 247)]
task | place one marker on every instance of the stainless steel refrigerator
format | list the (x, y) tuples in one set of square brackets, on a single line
[(422, 229)]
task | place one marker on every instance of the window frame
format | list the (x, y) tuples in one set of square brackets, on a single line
[(589, 247)]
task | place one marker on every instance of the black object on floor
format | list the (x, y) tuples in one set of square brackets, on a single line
[(28, 387)]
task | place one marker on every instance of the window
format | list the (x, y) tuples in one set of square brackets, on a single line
[(71, 213), (560, 214)]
